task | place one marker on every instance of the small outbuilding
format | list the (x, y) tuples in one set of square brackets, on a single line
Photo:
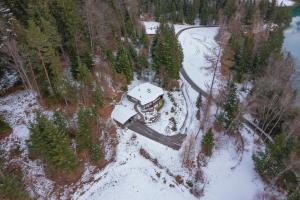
[(146, 95), (123, 115)]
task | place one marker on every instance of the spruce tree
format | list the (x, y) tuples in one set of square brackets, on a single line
[(51, 144), (230, 108), (167, 53), (124, 63)]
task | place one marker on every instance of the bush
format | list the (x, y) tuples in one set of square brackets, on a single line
[(198, 114), (173, 121), (208, 143), (12, 187), (98, 97), (96, 152), (3, 126), (161, 105), (294, 196), (199, 101)]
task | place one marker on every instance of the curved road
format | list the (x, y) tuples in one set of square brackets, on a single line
[(247, 122)]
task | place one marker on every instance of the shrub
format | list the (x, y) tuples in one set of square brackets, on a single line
[(172, 109), (208, 143), (3, 126), (199, 101), (161, 105), (12, 187), (96, 152), (98, 97), (173, 121)]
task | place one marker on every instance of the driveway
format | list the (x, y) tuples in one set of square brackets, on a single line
[(173, 142)]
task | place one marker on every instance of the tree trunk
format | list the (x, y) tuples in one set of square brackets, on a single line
[(46, 72)]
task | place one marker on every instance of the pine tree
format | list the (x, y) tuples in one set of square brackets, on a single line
[(51, 144), (167, 54), (61, 122), (46, 63), (124, 63), (84, 136), (230, 108), (208, 142), (70, 25)]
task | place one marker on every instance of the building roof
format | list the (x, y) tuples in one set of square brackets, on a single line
[(122, 114), (146, 93)]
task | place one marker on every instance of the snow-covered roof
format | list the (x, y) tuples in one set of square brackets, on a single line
[(146, 93), (122, 114)]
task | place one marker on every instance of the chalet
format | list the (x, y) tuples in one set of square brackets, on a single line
[(123, 115), (146, 95)]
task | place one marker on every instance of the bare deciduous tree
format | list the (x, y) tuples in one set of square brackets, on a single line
[(273, 97), (213, 58)]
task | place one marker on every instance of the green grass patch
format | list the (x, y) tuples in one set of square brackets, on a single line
[(4, 127), (161, 105)]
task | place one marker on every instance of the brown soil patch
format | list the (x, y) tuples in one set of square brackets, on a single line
[(15, 88), (106, 111), (5, 133)]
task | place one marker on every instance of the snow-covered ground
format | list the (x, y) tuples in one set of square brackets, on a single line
[(19, 110), (226, 177), (9, 79), (168, 111), (134, 177), (197, 44), (285, 2)]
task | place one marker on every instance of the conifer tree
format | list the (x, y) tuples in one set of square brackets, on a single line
[(124, 63), (167, 53), (230, 108), (46, 63), (51, 144)]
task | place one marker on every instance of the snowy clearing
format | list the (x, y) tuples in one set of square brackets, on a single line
[(196, 44), (134, 177), (285, 2), (226, 177)]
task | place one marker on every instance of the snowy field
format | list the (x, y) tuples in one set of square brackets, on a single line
[(197, 44), (132, 177), (285, 2), (229, 178)]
